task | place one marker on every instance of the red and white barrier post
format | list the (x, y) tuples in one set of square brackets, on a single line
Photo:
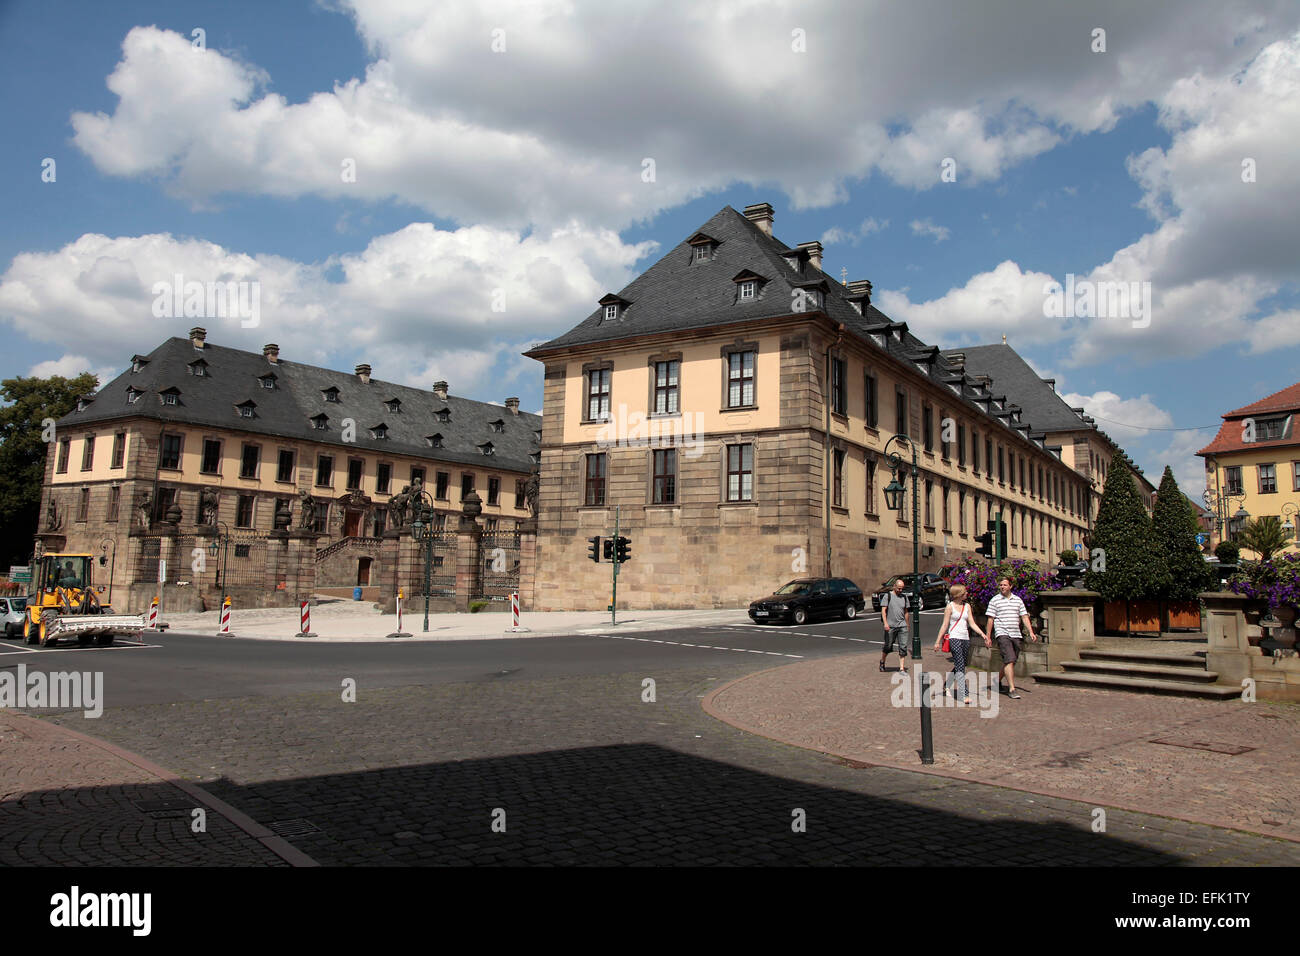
[(399, 632), (514, 613), (305, 614), (225, 619), (153, 614)]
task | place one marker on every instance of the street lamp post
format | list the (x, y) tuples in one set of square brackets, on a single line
[(1289, 509), (223, 569), (1221, 502), (422, 530), (896, 500)]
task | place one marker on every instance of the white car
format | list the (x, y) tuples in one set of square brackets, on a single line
[(12, 612)]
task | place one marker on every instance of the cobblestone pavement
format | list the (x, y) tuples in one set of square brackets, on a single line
[(582, 771), (117, 813), (1169, 755)]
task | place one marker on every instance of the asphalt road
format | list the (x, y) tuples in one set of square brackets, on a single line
[(554, 738), (171, 667)]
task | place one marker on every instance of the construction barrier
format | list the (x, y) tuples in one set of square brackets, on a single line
[(399, 632), (153, 614), (225, 618), (306, 621)]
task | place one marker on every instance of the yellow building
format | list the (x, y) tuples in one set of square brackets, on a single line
[(1253, 464)]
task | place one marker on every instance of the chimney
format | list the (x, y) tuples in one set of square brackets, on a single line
[(440, 389), (761, 215), (860, 287), (513, 405), (814, 250), (272, 353), (363, 373), (957, 360), (197, 337)]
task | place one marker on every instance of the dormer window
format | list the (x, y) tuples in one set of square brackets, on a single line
[(133, 395), (83, 403), (444, 415), (393, 405), (330, 394), (498, 425), (748, 285), (486, 448), (138, 362), (613, 306), (267, 381), (198, 368), (319, 422), (535, 458), (247, 409), (433, 441), (170, 396), (702, 247), (379, 432)]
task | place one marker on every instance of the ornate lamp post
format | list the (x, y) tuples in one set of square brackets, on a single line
[(422, 530), (1221, 503), (222, 542), (896, 500), (1288, 527)]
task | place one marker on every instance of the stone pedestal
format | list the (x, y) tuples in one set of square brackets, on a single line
[(276, 579), (1227, 634), (527, 562), (469, 570), (1069, 619), (300, 572), (389, 578)]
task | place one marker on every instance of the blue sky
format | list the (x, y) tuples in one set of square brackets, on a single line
[(519, 169)]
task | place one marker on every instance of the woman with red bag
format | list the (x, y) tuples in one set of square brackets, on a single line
[(954, 636)]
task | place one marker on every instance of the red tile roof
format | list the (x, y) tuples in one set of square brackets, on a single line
[(1229, 437)]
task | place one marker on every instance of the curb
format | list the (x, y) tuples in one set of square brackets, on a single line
[(276, 844), (710, 706)]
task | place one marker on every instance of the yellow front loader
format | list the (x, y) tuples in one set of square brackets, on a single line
[(64, 604)]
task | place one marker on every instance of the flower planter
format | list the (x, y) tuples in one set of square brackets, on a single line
[(1181, 615)]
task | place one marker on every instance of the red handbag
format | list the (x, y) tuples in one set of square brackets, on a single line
[(944, 646)]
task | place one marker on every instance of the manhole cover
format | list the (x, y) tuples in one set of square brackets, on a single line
[(291, 828), (1231, 750)]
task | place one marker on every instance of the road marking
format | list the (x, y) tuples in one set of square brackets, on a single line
[(65, 650), (705, 647)]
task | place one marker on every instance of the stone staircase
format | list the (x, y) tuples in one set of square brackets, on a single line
[(1143, 671)]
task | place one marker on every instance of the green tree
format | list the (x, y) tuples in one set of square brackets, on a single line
[(28, 404), (1134, 568), (1263, 536), (1228, 552), (1174, 526)]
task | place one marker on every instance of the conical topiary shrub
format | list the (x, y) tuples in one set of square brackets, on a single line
[(1124, 563), (1174, 527)]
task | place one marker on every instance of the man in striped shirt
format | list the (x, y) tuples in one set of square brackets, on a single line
[(1006, 612)]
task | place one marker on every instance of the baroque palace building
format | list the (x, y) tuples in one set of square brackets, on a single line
[(255, 434), (1254, 463), (733, 403)]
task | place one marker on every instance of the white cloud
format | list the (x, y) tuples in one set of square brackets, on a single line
[(558, 124), (70, 366), (417, 304), (925, 227), (1123, 419), (868, 226)]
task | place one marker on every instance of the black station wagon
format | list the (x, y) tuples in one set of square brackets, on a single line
[(806, 598)]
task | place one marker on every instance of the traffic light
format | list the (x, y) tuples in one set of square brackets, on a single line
[(1002, 540), (622, 549), (609, 549), (593, 550), (985, 549)]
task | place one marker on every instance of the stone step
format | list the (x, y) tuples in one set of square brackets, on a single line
[(1140, 685), (1144, 657), (1155, 671)]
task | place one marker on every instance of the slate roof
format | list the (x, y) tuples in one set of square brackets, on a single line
[(1043, 407), (233, 378), (678, 294)]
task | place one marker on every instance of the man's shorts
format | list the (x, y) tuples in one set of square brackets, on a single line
[(896, 636), (1009, 648)]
